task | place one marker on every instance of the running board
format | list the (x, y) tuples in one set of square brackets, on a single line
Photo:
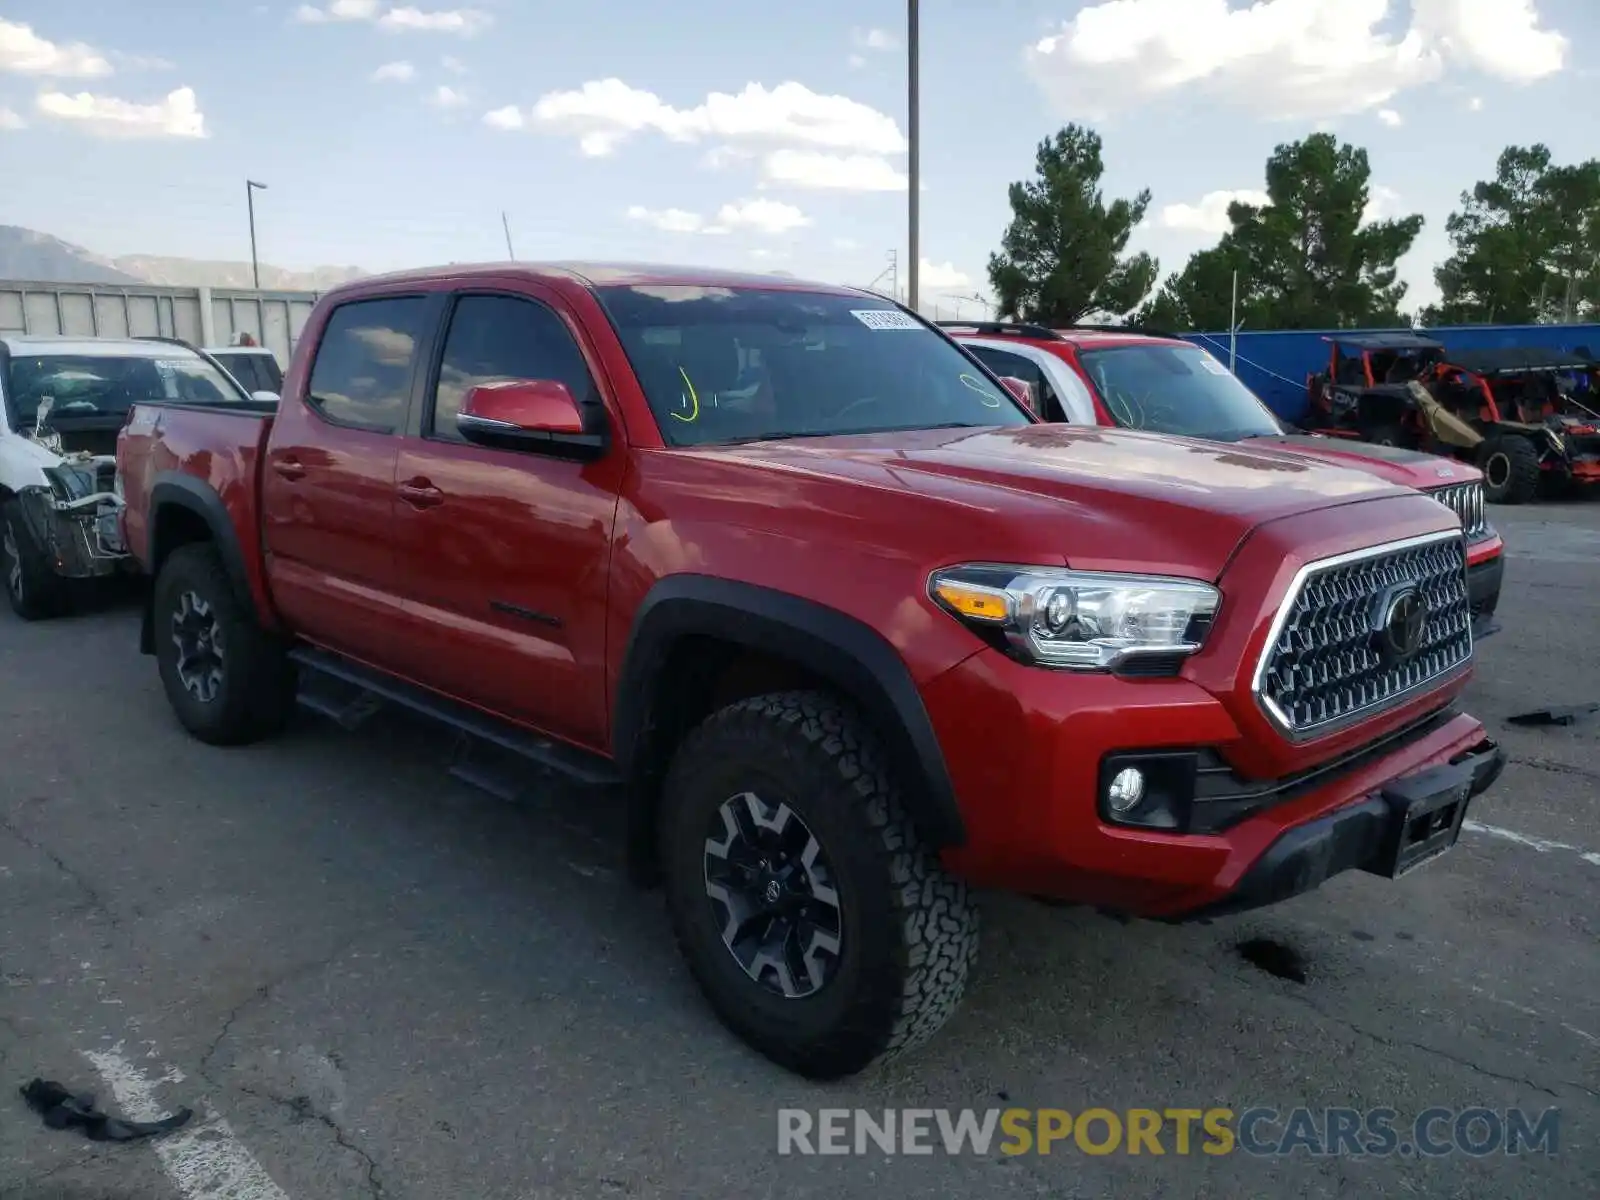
[(374, 687)]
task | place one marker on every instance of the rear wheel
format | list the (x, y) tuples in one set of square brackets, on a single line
[(227, 679), (819, 926), (1510, 470), (33, 588)]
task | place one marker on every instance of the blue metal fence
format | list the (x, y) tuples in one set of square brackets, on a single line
[(1274, 363)]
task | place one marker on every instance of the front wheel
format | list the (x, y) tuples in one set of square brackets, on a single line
[(227, 679), (1510, 470), (819, 926), (33, 588)]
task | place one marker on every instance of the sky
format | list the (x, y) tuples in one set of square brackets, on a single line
[(762, 136)]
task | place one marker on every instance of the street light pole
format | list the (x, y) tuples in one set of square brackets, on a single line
[(914, 163), (250, 186)]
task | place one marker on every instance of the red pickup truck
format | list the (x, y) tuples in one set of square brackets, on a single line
[(855, 631)]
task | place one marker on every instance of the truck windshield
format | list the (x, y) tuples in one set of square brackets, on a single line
[(747, 364), (1179, 390), (108, 385)]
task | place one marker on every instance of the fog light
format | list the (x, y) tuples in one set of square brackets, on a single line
[(1126, 790)]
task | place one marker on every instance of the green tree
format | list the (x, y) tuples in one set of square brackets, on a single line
[(1525, 245), (1063, 256), (1307, 259)]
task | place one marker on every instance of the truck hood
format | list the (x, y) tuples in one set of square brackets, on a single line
[(1098, 498), (1409, 468)]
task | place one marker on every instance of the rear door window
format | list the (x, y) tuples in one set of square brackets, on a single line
[(366, 361)]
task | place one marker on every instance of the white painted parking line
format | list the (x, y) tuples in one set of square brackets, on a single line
[(1542, 845), (204, 1160)]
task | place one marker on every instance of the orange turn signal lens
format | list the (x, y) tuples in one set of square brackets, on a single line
[(973, 602)]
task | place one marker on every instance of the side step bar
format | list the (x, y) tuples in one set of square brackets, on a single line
[(365, 690)]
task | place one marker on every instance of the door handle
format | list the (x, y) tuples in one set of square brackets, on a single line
[(289, 468), (419, 493)]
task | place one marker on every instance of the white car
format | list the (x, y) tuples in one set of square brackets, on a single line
[(255, 367), (62, 403)]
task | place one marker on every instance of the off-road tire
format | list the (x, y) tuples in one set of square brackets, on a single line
[(256, 695), (1387, 435), (37, 593), (910, 930), (1512, 460)]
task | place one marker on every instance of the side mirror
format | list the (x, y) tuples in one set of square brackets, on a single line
[(265, 397), (526, 414), (1022, 390)]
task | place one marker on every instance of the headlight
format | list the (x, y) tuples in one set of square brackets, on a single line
[(1079, 620)]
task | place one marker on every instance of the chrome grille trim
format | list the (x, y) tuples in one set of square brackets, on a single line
[(1466, 501), (1352, 686)]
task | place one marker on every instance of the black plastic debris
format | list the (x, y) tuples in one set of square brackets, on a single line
[(1564, 715), (62, 1109)]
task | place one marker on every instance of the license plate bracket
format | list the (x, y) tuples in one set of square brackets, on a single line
[(1425, 815)]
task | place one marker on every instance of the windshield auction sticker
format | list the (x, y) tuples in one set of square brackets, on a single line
[(885, 318)]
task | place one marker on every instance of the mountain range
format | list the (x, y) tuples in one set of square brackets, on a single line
[(27, 254)]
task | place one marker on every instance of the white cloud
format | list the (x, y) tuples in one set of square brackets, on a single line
[(177, 116), (395, 72), (1383, 203), (1391, 118), (844, 243), (140, 62), (453, 64), (338, 10), (445, 96), (509, 117), (844, 172), (874, 39), (603, 113), (11, 119), (668, 220), (719, 157), (464, 22), (26, 53), (857, 61), (1476, 104), (940, 275), (1292, 59), (1210, 215), (1503, 38), (759, 216), (762, 216)]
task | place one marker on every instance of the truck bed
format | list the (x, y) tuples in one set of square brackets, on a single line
[(209, 452)]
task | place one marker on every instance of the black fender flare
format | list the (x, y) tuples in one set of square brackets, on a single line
[(175, 490), (845, 651)]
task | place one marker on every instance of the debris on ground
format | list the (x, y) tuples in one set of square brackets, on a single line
[(62, 1109), (1563, 715)]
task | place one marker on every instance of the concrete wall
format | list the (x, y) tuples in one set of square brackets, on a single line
[(204, 316)]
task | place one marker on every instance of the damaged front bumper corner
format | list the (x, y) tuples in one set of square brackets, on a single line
[(75, 520)]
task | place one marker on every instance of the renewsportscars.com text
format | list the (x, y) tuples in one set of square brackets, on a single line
[(1264, 1132)]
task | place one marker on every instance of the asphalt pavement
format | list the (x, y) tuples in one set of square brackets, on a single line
[(370, 980)]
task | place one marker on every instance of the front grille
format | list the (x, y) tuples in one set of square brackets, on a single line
[(1327, 663), (1466, 501)]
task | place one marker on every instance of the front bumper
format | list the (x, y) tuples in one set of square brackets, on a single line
[(1407, 823), (81, 538), (1483, 594)]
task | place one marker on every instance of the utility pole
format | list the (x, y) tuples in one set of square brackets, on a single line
[(1233, 328), (250, 186), (914, 131), (894, 274), (506, 225)]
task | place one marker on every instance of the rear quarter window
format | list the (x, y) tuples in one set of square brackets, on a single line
[(366, 360)]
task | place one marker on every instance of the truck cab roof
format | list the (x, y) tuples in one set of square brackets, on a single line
[(590, 274)]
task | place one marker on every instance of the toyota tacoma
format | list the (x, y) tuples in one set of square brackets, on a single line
[(851, 630)]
